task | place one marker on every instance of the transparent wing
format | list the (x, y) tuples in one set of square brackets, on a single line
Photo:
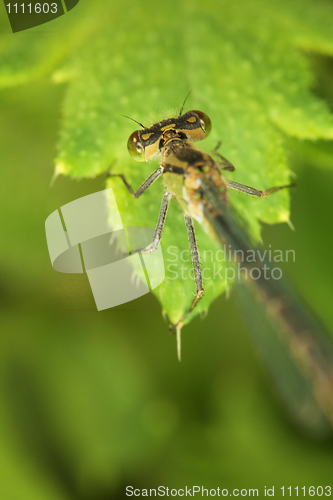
[(294, 388), (296, 349)]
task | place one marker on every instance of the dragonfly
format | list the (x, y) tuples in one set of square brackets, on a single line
[(304, 372)]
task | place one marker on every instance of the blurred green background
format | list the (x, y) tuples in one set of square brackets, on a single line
[(94, 401)]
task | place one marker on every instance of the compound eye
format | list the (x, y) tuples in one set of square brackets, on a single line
[(135, 147), (206, 124)]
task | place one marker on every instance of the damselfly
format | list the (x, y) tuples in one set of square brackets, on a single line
[(194, 178)]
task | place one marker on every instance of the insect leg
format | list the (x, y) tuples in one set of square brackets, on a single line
[(197, 272), (224, 164), (255, 192), (159, 226), (144, 186)]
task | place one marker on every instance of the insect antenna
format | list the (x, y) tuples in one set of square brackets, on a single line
[(182, 108), (134, 120)]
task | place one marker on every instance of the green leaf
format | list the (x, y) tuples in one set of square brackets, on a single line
[(246, 72), (319, 153), (36, 52), (243, 62)]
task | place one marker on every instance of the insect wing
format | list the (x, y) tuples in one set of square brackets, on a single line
[(296, 349)]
